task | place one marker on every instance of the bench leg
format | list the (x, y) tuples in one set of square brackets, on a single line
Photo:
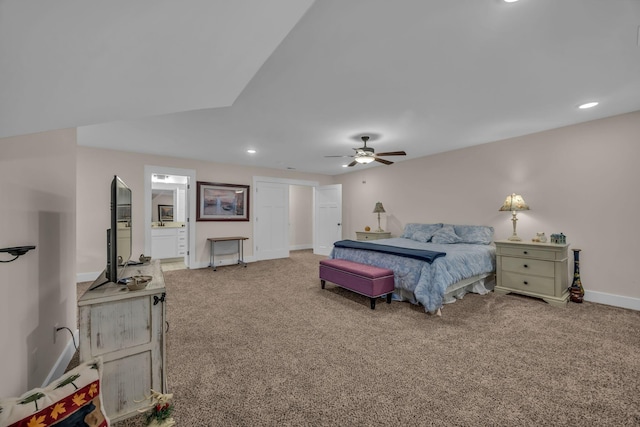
[(373, 303), (389, 298), (322, 283)]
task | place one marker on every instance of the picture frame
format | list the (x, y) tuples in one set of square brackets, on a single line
[(222, 202), (165, 213)]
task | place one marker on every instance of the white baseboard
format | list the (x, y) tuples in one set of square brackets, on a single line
[(92, 276), (301, 247), (223, 262), (614, 300), (61, 364)]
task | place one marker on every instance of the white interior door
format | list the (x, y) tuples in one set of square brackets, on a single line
[(271, 214), (327, 225)]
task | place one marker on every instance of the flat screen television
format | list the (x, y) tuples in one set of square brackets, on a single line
[(119, 237)]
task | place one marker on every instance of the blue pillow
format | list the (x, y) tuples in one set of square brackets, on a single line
[(421, 236), (474, 234), (446, 235), (424, 231)]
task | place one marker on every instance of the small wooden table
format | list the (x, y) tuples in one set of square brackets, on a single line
[(240, 250)]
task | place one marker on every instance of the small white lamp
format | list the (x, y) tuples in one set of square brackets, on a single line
[(379, 209), (514, 203)]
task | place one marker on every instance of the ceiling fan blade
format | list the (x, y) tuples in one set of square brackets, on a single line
[(392, 153), (385, 161), (352, 163), (339, 156)]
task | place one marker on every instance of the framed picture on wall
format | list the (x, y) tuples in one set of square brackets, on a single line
[(165, 212), (222, 202)]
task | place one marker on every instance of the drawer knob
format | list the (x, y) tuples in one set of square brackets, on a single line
[(526, 283), (525, 252), (526, 266)]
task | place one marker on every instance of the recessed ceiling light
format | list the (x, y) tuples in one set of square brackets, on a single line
[(510, 1), (251, 151), (587, 105)]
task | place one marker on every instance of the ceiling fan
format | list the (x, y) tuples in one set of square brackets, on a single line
[(366, 155)]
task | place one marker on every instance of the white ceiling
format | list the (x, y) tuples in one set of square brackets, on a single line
[(209, 79)]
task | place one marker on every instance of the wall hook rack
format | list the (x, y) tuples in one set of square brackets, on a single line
[(16, 251)]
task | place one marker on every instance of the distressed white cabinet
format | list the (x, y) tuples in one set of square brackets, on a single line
[(126, 328)]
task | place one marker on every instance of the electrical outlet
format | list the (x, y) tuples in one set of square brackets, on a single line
[(55, 332)]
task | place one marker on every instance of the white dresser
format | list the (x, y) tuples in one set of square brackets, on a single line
[(126, 328), (535, 269)]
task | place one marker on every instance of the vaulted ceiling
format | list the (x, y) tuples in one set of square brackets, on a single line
[(299, 80)]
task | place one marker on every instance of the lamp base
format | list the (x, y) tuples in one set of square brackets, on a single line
[(379, 230), (514, 237)]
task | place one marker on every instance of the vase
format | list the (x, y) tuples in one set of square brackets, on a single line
[(576, 291)]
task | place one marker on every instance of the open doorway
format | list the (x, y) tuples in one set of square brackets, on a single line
[(169, 207)]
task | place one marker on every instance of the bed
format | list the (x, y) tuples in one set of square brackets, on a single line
[(459, 259)]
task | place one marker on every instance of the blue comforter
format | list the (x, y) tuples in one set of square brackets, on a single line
[(428, 282), (421, 254)]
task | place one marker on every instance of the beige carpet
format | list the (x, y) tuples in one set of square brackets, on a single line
[(266, 346)]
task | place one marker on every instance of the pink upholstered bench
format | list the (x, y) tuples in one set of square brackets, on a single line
[(366, 280)]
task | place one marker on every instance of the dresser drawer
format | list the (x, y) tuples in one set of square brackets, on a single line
[(528, 266), (528, 253), (523, 282), (373, 235)]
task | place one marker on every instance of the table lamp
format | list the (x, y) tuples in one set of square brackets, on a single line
[(514, 203), (379, 209)]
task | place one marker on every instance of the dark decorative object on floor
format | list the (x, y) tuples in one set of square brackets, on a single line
[(576, 291)]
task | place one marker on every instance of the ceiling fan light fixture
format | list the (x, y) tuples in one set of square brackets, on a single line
[(364, 159), (365, 155)]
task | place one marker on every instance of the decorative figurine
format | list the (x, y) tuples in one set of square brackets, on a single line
[(160, 410), (540, 237), (560, 239)]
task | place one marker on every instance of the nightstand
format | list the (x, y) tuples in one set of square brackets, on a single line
[(372, 235), (535, 269)]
